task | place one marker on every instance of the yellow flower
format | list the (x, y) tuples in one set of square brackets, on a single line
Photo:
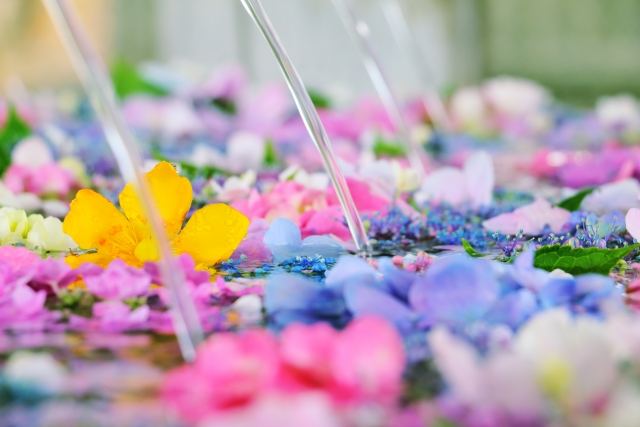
[(210, 236)]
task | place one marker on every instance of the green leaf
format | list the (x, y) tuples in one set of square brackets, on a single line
[(227, 106), (414, 204), (14, 130), (469, 249), (128, 81), (388, 148), (579, 261), (190, 170), (271, 157), (573, 203), (443, 422), (319, 100)]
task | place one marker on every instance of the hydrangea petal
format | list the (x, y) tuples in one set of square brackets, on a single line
[(480, 178), (283, 239), (366, 300), (321, 245), (633, 222), (455, 290)]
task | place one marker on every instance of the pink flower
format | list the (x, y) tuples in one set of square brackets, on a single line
[(531, 219), (371, 114), (235, 375), (633, 222), (227, 83), (28, 301), (280, 410), (50, 179), (325, 221), (368, 369), (305, 352), (288, 199), (52, 275), (45, 179), (253, 246), (265, 112), (352, 366), (472, 184), (172, 117), (17, 257), (115, 315), (364, 199), (230, 371), (16, 177), (119, 281)]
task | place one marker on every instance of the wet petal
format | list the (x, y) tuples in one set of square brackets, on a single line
[(94, 222), (76, 261), (172, 193), (212, 234)]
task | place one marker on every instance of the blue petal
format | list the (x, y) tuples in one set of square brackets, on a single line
[(283, 239), (523, 273), (513, 309), (456, 290), (595, 289), (352, 268), (290, 292), (400, 281), (607, 220), (282, 319), (557, 292), (321, 245), (362, 299)]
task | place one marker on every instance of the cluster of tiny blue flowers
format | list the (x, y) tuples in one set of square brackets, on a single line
[(316, 265), (230, 267), (394, 228)]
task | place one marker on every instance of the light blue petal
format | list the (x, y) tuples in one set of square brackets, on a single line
[(352, 268), (321, 245), (365, 300), (283, 239), (456, 290)]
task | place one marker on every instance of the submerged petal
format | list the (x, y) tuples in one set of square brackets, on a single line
[(212, 234), (94, 222), (172, 193)]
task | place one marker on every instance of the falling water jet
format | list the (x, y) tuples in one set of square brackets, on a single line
[(313, 124), (99, 87), (406, 40), (359, 33)]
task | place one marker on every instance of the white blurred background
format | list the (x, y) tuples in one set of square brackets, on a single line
[(581, 49)]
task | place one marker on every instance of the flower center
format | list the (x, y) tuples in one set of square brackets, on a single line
[(146, 250)]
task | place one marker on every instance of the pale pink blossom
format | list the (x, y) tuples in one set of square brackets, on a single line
[(45, 179), (472, 184), (532, 219)]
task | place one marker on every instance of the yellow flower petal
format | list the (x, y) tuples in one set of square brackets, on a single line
[(212, 234), (94, 222), (172, 193), (147, 250), (75, 261)]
